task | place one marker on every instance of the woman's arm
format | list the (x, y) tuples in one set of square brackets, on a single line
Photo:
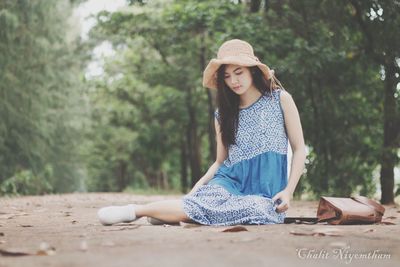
[(221, 156), (207, 177), (296, 140)]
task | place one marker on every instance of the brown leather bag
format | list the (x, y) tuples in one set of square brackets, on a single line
[(354, 210)]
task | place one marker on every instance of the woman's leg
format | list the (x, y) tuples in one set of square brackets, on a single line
[(170, 211)]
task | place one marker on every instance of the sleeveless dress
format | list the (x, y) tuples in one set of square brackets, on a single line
[(255, 170)]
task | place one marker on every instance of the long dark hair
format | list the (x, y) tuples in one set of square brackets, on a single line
[(228, 101)]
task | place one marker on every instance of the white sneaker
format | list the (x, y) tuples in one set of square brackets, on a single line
[(117, 214)]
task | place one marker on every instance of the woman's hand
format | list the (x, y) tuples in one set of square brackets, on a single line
[(196, 186), (194, 189), (284, 196)]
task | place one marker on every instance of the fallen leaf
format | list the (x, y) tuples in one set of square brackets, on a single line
[(292, 232), (26, 225), (369, 230), (121, 228), (73, 222), (387, 223), (11, 216), (319, 232), (235, 229), (1, 234), (14, 253), (46, 250), (328, 231)]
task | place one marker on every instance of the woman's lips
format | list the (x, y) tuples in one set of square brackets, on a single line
[(236, 87)]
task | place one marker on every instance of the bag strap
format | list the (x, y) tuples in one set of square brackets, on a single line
[(369, 202), (301, 220)]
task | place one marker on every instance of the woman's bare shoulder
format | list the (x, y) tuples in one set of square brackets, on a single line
[(285, 95), (286, 100)]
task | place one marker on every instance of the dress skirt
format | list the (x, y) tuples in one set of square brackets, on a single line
[(214, 205)]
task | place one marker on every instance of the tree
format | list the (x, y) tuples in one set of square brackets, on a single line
[(40, 89), (315, 50), (377, 21)]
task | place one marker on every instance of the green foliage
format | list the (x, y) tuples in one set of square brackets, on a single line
[(40, 103), (27, 183), (135, 130), (136, 123), (309, 44)]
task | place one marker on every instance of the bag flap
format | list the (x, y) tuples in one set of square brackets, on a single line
[(346, 206), (371, 203)]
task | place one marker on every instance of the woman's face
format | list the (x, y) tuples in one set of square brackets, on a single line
[(238, 78)]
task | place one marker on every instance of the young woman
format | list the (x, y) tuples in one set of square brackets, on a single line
[(248, 183)]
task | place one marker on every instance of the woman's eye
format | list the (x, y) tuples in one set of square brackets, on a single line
[(237, 73)]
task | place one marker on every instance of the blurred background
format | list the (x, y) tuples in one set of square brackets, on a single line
[(107, 96)]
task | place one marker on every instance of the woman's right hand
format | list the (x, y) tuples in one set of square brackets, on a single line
[(197, 186), (194, 189)]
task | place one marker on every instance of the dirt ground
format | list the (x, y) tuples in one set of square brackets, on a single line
[(62, 230)]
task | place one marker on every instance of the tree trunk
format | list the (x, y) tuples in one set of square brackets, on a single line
[(184, 166), (211, 127), (210, 100), (157, 175), (193, 141), (164, 180), (266, 6), (390, 132), (150, 177), (121, 173), (254, 6)]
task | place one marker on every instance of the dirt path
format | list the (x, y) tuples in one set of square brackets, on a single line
[(66, 228)]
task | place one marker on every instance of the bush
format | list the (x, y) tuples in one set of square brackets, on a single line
[(25, 182)]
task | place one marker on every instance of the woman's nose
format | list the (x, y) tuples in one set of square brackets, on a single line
[(233, 79)]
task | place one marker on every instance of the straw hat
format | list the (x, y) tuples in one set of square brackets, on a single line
[(235, 52)]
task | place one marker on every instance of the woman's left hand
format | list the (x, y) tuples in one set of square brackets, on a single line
[(284, 196)]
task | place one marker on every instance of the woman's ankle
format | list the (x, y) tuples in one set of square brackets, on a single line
[(140, 211)]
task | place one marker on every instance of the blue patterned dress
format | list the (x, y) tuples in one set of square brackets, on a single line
[(255, 170)]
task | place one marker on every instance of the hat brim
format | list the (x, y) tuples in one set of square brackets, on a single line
[(210, 75)]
